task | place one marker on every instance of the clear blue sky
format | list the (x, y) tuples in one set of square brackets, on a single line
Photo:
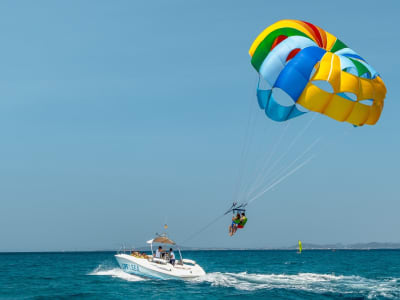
[(119, 116)]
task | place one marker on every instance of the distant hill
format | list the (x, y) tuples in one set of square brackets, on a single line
[(356, 246), (306, 246)]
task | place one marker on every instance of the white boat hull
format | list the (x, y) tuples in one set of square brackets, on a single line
[(144, 267)]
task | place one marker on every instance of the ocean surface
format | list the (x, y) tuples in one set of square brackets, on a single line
[(271, 274)]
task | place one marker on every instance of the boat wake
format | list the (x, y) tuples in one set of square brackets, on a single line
[(116, 273), (309, 282)]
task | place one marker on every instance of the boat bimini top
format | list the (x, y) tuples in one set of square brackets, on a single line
[(163, 239)]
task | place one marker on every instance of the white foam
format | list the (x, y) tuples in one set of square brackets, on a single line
[(311, 282), (116, 273)]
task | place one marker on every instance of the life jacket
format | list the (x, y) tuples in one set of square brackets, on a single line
[(242, 222)]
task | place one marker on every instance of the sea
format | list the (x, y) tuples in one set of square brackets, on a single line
[(258, 274)]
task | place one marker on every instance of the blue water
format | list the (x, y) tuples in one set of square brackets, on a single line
[(315, 274)]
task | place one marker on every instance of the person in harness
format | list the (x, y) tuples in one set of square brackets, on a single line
[(234, 225), (243, 221)]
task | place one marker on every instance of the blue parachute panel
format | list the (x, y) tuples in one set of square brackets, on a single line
[(273, 109), (295, 76)]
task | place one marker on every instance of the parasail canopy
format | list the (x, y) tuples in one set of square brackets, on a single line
[(318, 72)]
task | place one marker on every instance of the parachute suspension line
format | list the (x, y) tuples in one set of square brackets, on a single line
[(281, 179), (267, 172), (244, 151), (239, 177), (247, 157), (269, 147), (284, 169), (243, 157), (264, 165), (201, 230)]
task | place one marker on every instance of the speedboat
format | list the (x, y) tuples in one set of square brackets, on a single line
[(159, 268)]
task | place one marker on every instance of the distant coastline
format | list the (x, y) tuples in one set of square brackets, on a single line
[(306, 246), (310, 246)]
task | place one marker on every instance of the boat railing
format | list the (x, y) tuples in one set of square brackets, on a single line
[(124, 250), (121, 250)]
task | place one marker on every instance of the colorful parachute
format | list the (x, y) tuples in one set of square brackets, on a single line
[(295, 56)]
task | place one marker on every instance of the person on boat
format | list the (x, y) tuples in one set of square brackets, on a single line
[(171, 257), (235, 222), (159, 252), (134, 253), (243, 221)]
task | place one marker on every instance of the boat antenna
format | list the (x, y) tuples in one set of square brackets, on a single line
[(165, 231)]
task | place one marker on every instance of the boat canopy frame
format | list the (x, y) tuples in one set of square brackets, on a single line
[(163, 239)]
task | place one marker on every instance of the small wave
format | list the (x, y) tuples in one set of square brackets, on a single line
[(116, 273), (310, 282)]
